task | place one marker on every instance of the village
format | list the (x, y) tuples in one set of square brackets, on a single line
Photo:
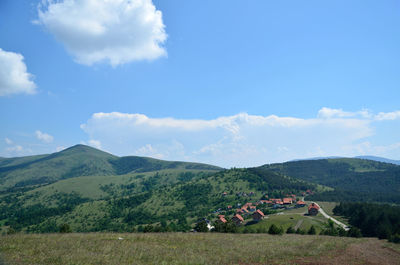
[(253, 212)]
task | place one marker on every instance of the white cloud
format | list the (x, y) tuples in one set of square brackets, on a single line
[(14, 78), (328, 113), (388, 115), (60, 148), (44, 137), (8, 141), (95, 144), (237, 140), (17, 150), (117, 31)]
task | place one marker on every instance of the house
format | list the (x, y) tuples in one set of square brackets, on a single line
[(300, 204), (224, 193), (287, 200), (221, 219), (313, 209), (258, 215), (253, 208), (237, 219), (229, 207)]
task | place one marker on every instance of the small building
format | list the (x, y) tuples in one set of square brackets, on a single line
[(221, 219), (287, 200), (313, 209), (229, 207), (258, 215), (300, 204), (253, 208), (237, 219)]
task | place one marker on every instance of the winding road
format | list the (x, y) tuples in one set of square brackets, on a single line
[(345, 227)]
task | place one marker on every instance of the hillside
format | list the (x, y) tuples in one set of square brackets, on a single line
[(193, 248), (352, 179), (76, 161), (124, 193)]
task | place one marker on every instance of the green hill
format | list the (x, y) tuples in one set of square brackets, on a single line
[(95, 191), (76, 161), (352, 179)]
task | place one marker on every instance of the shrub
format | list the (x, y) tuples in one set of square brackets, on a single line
[(354, 232), (201, 226), (275, 230), (290, 230), (395, 239), (64, 228), (312, 231)]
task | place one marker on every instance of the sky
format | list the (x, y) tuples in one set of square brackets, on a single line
[(231, 83)]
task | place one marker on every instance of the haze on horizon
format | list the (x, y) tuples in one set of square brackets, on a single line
[(228, 83)]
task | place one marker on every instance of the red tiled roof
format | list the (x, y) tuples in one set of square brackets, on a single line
[(301, 203), (313, 205), (238, 216), (287, 200), (222, 219), (261, 213)]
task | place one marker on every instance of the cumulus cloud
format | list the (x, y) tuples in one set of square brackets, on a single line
[(241, 139), (44, 137), (116, 31), (8, 141), (14, 78)]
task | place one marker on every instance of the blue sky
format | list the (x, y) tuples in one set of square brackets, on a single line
[(232, 83)]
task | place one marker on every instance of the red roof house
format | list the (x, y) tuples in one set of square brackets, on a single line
[(258, 215), (313, 209), (237, 219)]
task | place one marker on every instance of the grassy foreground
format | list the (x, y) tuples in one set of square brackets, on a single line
[(179, 248)]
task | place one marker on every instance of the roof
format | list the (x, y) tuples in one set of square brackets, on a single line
[(238, 216), (259, 212), (313, 205), (222, 219), (301, 202), (287, 200)]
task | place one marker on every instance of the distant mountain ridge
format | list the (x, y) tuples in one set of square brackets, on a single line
[(373, 158), (380, 159)]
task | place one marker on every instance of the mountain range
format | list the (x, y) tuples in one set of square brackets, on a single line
[(96, 191)]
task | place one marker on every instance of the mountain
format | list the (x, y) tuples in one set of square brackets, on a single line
[(76, 161), (96, 191), (352, 178), (380, 159)]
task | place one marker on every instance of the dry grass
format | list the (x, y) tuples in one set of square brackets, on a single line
[(166, 248)]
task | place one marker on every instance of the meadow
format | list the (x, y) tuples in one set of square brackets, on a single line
[(192, 248)]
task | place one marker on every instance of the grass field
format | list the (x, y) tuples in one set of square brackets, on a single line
[(191, 248)]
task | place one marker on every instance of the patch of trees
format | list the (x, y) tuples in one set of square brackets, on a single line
[(19, 216), (370, 181), (373, 220), (266, 180), (195, 194), (355, 196)]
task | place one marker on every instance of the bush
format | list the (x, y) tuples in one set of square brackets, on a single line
[(290, 230), (300, 231), (395, 239), (148, 229), (275, 230), (65, 228), (354, 232), (312, 231), (201, 226)]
